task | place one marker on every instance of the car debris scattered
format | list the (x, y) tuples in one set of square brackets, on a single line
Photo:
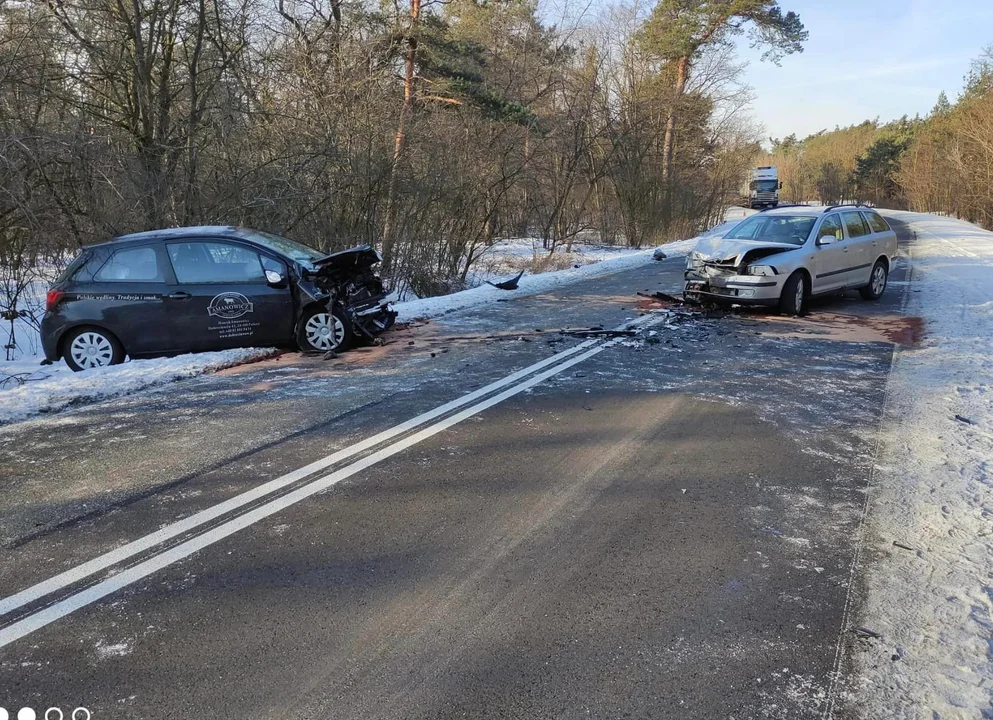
[(508, 284), (598, 332), (664, 297), (899, 544), (864, 632)]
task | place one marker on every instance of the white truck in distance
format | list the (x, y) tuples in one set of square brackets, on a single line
[(763, 187)]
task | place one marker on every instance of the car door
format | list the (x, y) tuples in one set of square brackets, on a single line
[(883, 238), (221, 298), (830, 258), (860, 248), (126, 295)]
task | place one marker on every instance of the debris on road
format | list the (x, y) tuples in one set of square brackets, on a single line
[(663, 297), (866, 633), (659, 254), (899, 544), (598, 332), (508, 284)]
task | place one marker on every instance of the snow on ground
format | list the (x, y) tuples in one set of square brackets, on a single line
[(506, 258), (931, 492), (56, 387), (613, 261), (27, 388)]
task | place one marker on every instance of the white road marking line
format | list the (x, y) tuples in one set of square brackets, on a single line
[(183, 526), (60, 609)]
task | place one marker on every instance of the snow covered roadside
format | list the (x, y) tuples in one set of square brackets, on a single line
[(28, 389), (931, 492), (505, 258), (536, 284), (55, 387)]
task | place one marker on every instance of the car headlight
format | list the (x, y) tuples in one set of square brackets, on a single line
[(695, 259), (761, 270)]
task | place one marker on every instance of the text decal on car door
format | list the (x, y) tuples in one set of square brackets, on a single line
[(229, 305), (114, 296)]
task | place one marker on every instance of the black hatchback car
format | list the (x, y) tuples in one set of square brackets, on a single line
[(182, 290)]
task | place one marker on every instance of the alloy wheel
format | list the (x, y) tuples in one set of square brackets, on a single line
[(878, 280)]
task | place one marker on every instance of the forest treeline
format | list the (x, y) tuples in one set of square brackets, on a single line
[(939, 163), (427, 128)]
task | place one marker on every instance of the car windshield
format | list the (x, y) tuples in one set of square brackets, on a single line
[(765, 185), (790, 229), (290, 248)]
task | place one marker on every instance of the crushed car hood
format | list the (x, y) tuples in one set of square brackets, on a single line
[(734, 252)]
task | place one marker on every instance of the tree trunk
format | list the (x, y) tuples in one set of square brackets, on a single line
[(400, 140), (669, 140)]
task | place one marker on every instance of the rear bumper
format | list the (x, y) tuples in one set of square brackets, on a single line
[(51, 331), (738, 289)]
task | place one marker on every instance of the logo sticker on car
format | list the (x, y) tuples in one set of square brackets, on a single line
[(229, 305)]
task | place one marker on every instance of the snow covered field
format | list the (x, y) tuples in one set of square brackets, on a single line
[(931, 492)]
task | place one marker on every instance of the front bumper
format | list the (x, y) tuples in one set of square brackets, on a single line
[(727, 288), (380, 304)]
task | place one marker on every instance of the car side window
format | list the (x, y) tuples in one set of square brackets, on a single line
[(131, 265), (213, 262), (831, 227), (876, 222), (855, 225), (269, 263)]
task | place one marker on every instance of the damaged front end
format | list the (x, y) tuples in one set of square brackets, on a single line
[(735, 273)]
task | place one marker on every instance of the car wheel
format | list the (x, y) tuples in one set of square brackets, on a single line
[(323, 331), (877, 282), (88, 348), (793, 301)]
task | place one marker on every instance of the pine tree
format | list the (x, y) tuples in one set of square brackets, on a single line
[(678, 31)]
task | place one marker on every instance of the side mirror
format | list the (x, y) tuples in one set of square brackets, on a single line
[(275, 279), (780, 184), (826, 239)]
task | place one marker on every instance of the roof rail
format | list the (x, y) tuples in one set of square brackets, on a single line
[(784, 205), (845, 205)]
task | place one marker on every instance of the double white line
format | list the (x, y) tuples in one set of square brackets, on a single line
[(450, 413)]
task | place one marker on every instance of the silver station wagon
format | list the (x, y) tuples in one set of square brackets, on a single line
[(783, 256)]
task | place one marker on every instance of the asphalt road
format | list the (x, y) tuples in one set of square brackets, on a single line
[(664, 526)]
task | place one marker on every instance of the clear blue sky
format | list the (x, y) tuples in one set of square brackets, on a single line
[(868, 59)]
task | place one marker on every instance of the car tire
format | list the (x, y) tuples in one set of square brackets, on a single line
[(323, 331), (793, 301), (87, 348), (877, 282)]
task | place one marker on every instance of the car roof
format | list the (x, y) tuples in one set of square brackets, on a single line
[(813, 210), (228, 231), (804, 210)]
